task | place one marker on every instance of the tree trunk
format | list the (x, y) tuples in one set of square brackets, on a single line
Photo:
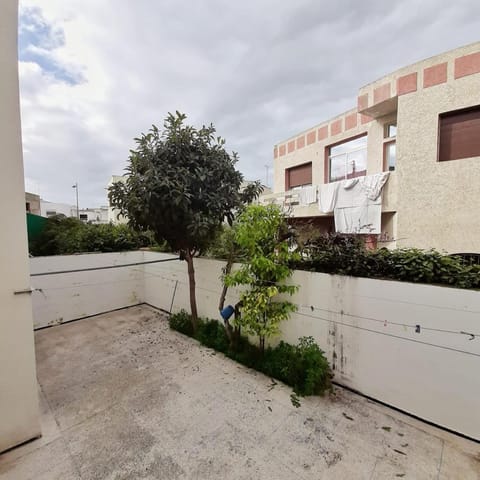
[(228, 269), (221, 303), (191, 281)]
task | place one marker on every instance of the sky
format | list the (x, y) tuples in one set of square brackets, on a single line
[(95, 74)]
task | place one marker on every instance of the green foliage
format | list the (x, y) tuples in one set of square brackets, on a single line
[(181, 322), (212, 334), (347, 256), (262, 233), (224, 245), (69, 235), (303, 366), (180, 183)]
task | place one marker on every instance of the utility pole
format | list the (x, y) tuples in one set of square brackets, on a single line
[(266, 174), (76, 192)]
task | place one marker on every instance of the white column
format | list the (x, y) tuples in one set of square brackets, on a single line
[(19, 418)]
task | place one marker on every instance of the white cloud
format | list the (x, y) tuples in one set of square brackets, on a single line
[(260, 71)]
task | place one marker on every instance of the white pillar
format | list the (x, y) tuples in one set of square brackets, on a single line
[(19, 417)]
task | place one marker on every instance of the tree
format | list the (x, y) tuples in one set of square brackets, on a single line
[(262, 232), (181, 184)]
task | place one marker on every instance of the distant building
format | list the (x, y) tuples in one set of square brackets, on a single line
[(51, 209), (94, 215), (32, 203), (113, 213)]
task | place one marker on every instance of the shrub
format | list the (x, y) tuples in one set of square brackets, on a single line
[(212, 334), (346, 255), (69, 235), (181, 322), (303, 366), (262, 232)]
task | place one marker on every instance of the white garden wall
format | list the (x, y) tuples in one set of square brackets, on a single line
[(368, 328), (61, 298)]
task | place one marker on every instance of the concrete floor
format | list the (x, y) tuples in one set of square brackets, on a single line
[(123, 397)]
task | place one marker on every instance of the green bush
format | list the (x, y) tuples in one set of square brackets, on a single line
[(181, 322), (69, 235), (212, 334), (303, 366), (346, 255)]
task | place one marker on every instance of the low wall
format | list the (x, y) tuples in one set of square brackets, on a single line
[(368, 330), (415, 347), (68, 296)]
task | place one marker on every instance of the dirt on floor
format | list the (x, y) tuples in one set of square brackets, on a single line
[(123, 397)]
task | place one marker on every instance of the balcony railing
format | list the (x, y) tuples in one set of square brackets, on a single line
[(291, 205)]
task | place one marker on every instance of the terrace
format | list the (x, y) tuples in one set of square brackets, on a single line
[(124, 397)]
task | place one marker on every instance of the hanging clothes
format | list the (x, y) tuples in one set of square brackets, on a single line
[(373, 184), (307, 195), (358, 208), (327, 196)]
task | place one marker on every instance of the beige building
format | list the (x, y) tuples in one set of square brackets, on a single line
[(19, 419), (422, 125)]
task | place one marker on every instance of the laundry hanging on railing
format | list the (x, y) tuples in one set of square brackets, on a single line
[(307, 195), (358, 206), (327, 196)]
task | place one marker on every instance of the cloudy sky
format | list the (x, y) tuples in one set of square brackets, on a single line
[(96, 73)]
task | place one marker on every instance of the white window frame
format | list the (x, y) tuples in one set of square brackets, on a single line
[(346, 154)]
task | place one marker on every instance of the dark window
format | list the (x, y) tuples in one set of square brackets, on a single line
[(459, 133), (347, 159), (84, 217), (390, 130), (27, 205), (298, 176), (389, 147)]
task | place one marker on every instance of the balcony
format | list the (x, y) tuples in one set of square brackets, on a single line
[(290, 204), (290, 201)]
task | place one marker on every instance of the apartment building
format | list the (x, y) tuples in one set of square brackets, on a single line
[(413, 139), (51, 209)]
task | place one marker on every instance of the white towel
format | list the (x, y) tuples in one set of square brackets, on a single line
[(373, 184), (327, 196), (363, 219), (350, 183), (307, 195), (355, 211)]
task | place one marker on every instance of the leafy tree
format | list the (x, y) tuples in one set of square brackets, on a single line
[(262, 232), (181, 184)]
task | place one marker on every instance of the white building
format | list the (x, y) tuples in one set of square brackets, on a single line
[(113, 213), (94, 215), (50, 209)]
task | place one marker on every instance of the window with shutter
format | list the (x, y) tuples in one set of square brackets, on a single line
[(459, 134), (298, 176)]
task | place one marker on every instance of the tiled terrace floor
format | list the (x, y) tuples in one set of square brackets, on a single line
[(123, 397)]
